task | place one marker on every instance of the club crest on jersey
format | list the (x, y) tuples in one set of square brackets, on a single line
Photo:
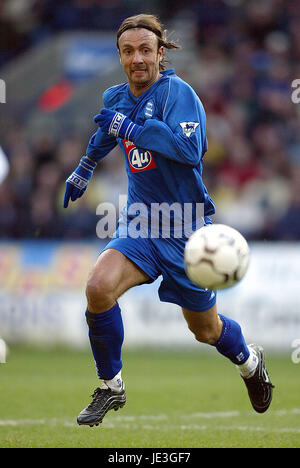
[(149, 109), (139, 159), (189, 127)]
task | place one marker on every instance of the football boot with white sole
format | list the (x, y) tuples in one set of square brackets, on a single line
[(104, 399), (259, 386)]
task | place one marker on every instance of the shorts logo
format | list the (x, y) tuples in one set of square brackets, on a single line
[(139, 159), (189, 127), (149, 109)]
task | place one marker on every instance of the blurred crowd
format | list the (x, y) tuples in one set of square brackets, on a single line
[(23, 23), (246, 54), (248, 57)]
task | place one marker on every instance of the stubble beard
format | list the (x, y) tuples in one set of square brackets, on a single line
[(140, 85)]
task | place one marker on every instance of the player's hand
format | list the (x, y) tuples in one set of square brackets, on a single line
[(117, 124), (78, 181)]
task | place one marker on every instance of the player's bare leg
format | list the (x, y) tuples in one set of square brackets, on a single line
[(206, 326), (225, 334), (112, 275)]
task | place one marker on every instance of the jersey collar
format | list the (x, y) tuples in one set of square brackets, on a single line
[(165, 74)]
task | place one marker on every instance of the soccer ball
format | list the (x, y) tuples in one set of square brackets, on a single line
[(216, 257)]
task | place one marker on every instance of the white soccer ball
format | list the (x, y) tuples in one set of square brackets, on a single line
[(216, 257)]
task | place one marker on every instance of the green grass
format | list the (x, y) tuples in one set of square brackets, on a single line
[(175, 400)]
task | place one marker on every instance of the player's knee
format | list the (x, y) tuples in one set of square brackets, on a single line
[(99, 292), (207, 335)]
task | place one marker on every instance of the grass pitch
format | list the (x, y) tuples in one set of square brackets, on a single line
[(175, 400)]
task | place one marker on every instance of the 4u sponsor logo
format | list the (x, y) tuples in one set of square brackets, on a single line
[(139, 159)]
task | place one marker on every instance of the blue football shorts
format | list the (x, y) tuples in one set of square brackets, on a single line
[(165, 257)]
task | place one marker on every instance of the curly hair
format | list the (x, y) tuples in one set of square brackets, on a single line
[(152, 23)]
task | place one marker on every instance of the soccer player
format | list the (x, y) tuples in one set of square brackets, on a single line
[(159, 123)]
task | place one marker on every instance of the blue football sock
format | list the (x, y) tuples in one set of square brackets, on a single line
[(231, 342), (106, 334)]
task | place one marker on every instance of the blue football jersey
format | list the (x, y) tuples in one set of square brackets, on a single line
[(164, 163)]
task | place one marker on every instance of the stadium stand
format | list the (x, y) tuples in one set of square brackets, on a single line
[(241, 57)]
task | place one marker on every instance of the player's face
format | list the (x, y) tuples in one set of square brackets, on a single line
[(140, 58)]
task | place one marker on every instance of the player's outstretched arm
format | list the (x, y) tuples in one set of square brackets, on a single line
[(78, 181), (99, 146)]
